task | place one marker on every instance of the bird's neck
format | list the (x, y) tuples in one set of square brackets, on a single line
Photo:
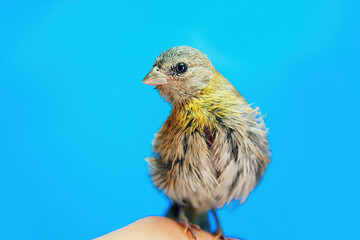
[(205, 109)]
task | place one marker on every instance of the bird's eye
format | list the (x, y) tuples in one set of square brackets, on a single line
[(181, 67)]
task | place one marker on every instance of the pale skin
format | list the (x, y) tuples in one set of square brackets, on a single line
[(154, 228)]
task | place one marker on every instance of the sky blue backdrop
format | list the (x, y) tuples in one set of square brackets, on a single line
[(76, 123)]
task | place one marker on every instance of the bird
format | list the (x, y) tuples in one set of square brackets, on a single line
[(213, 146)]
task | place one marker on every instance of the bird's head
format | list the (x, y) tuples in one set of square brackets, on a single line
[(180, 73)]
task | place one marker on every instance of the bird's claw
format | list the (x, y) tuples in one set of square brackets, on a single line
[(219, 235), (222, 237), (192, 228)]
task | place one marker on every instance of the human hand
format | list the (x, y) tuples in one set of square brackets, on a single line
[(158, 228)]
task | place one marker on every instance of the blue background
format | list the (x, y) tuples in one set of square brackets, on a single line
[(76, 123)]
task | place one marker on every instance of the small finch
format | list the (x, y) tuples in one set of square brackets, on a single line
[(212, 148)]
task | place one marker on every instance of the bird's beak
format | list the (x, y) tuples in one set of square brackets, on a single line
[(155, 78)]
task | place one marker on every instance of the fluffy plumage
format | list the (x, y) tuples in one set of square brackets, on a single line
[(213, 146)]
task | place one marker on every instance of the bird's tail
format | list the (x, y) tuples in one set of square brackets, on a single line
[(200, 219)]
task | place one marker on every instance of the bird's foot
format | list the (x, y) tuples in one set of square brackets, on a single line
[(192, 229), (222, 237), (219, 235)]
